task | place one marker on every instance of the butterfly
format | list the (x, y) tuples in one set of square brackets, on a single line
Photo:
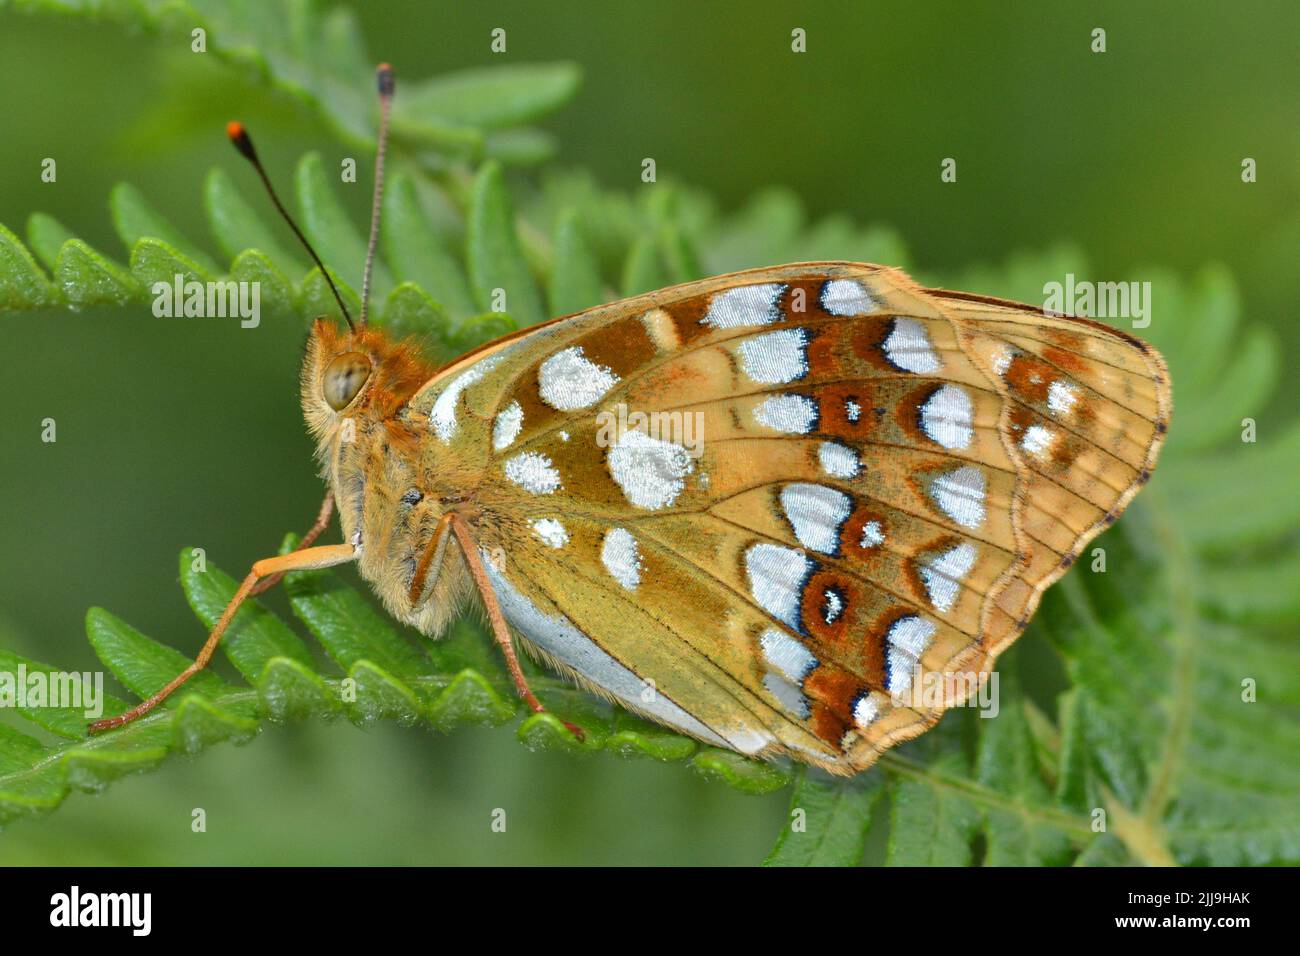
[(761, 509)]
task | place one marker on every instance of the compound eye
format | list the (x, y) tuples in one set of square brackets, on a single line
[(344, 377)]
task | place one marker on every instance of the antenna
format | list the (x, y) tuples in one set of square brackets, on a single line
[(386, 83), (239, 136)]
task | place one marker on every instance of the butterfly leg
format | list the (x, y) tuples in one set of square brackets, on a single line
[(314, 532), (500, 630), (324, 556)]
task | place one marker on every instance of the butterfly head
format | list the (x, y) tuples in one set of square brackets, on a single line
[(360, 375)]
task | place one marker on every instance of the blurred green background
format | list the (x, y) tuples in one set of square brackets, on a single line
[(174, 434)]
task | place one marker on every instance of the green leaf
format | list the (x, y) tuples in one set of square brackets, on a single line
[(644, 270), (1223, 372), (547, 732), (473, 332), (349, 627), (67, 720), (632, 737), (145, 667), (461, 682), (142, 665), (88, 278), (46, 235), (22, 283), (760, 234), (520, 147), (290, 690), (154, 261), (748, 776), (200, 723), (470, 698), (410, 311), (1249, 491), (575, 277), (135, 219), (490, 98), (380, 696), (493, 252), (418, 253), (255, 636), (934, 814), (238, 228), (678, 255), (828, 821), (276, 292), (1237, 591), (315, 298), (1014, 833), (337, 241), (23, 790), (314, 57)]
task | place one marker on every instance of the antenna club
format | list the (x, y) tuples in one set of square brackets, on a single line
[(384, 74), (239, 136)]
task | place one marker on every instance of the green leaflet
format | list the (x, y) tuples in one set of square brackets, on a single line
[(135, 219), (141, 664), (22, 283), (341, 246), (349, 627), (1006, 762), (497, 268), (644, 270), (63, 721), (747, 776), (46, 235), (575, 279), (153, 261), (410, 311), (418, 253), (237, 226), (828, 821), (490, 98), (252, 265), (256, 636), (520, 147), (85, 277), (316, 299)]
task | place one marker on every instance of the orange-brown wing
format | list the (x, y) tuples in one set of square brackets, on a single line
[(765, 508), (1087, 411)]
